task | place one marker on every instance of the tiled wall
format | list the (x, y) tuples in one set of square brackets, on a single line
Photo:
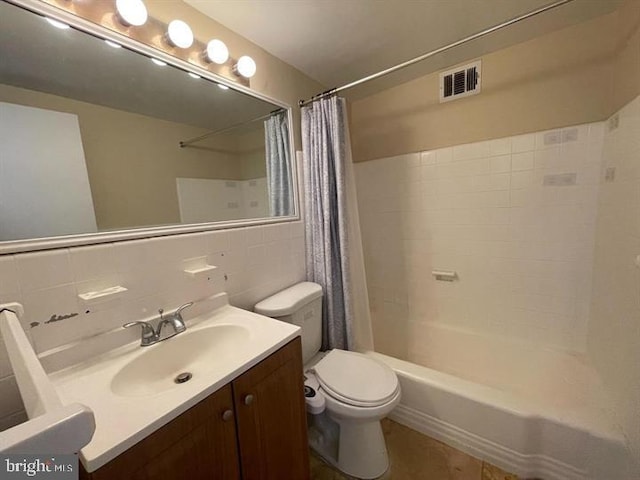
[(522, 251), (614, 331), (254, 263), (215, 200)]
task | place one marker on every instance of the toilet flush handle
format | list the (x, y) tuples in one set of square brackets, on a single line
[(248, 399)]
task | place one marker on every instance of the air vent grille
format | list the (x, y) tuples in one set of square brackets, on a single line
[(460, 82)]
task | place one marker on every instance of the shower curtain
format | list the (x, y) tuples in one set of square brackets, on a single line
[(279, 181), (333, 240)]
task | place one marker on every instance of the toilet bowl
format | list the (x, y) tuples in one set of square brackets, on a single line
[(347, 393), (358, 392)]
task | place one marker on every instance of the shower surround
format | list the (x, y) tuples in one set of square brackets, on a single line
[(520, 360), (522, 250)]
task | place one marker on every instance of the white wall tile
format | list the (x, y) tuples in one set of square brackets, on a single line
[(428, 158), (92, 262), (500, 164), (43, 269), (482, 210), (9, 284), (254, 259), (614, 329), (499, 146), (522, 161), (523, 143)]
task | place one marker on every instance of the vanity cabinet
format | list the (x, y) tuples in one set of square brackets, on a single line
[(254, 428)]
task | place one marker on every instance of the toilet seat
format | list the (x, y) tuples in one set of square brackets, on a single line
[(356, 379)]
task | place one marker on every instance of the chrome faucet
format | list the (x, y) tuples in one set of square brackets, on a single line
[(174, 319), (151, 336)]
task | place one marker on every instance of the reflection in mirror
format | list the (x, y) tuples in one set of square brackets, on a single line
[(96, 138)]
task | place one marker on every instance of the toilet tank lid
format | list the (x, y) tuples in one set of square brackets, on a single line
[(288, 301)]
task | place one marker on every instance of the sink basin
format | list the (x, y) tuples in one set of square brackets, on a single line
[(196, 352)]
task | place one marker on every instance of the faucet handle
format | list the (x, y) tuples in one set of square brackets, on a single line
[(178, 312), (149, 335)]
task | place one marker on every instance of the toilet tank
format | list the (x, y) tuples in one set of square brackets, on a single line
[(301, 305)]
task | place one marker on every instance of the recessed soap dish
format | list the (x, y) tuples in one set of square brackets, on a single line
[(98, 296), (445, 275), (201, 271)]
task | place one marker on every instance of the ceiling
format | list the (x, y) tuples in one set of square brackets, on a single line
[(339, 41)]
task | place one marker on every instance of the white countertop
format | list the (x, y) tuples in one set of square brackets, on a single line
[(122, 421)]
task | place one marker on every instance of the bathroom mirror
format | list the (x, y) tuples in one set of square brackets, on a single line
[(98, 141)]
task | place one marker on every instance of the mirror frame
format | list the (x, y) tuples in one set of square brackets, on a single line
[(39, 7)]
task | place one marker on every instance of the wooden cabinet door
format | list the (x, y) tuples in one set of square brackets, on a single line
[(200, 444), (271, 417)]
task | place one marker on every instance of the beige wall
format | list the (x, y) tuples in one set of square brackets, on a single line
[(563, 78)]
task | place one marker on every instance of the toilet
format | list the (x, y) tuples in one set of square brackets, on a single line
[(347, 393)]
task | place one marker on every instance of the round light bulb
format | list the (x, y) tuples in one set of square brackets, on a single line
[(217, 52), (132, 12), (160, 63), (246, 66), (180, 34), (57, 24)]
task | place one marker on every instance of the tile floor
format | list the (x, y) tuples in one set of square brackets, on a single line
[(415, 456)]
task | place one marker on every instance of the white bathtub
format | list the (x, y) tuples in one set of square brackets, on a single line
[(537, 413)]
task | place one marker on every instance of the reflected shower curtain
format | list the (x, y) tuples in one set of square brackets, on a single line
[(279, 181), (333, 241)]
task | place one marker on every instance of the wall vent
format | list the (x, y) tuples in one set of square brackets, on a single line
[(460, 82)]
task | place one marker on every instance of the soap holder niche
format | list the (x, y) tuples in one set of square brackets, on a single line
[(201, 272), (98, 296), (445, 275)]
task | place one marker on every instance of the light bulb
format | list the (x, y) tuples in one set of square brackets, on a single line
[(160, 63), (245, 66), (180, 34), (57, 24), (113, 44), (217, 52), (222, 87), (132, 12)]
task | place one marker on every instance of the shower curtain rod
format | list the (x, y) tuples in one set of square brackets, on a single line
[(186, 143), (402, 65)]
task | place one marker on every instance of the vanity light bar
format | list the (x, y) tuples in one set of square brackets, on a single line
[(179, 34), (134, 13), (216, 52), (245, 66)]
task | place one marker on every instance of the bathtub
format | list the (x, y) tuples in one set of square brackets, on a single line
[(537, 413)]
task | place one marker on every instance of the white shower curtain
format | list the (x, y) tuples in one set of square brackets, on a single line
[(333, 241), (279, 181)]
